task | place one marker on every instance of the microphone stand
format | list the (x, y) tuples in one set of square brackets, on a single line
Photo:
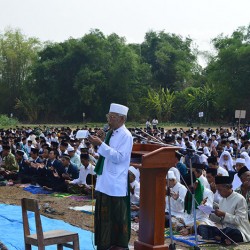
[(193, 206), (172, 244)]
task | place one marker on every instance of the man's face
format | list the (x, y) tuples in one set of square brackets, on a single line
[(18, 157), (33, 156), (131, 177), (45, 154), (222, 190), (114, 120), (210, 178), (52, 155), (85, 162), (238, 166), (5, 152), (65, 162), (245, 179), (172, 182), (71, 153)]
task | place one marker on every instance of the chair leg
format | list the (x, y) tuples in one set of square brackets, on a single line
[(41, 247), (76, 245), (59, 247), (27, 247)]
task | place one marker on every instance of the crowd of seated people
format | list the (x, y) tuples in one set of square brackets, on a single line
[(213, 163)]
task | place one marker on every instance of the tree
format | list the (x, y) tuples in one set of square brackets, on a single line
[(160, 102), (171, 59), (17, 54), (229, 71), (201, 99)]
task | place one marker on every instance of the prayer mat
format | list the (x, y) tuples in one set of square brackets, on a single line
[(61, 195), (11, 229), (37, 190), (85, 209), (190, 239)]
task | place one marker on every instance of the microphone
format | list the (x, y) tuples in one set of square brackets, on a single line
[(106, 128)]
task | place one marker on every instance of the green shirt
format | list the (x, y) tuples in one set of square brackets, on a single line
[(238, 190), (10, 162)]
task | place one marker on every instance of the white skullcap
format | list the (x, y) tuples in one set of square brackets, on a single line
[(171, 175), (118, 108), (70, 149), (240, 160)]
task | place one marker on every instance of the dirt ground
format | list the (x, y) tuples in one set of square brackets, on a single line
[(12, 195)]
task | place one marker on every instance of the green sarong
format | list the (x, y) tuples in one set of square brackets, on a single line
[(111, 221)]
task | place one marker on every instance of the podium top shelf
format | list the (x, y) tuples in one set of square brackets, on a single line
[(153, 156)]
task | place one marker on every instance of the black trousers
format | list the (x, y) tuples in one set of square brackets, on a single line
[(209, 233)]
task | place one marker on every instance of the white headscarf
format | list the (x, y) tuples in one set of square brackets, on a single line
[(245, 156), (228, 163)]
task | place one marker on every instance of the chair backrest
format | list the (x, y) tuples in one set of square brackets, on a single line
[(31, 205)]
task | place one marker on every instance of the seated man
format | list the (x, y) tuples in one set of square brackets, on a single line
[(177, 196), (232, 215), (203, 196), (210, 174), (198, 171), (239, 164), (9, 166), (79, 185), (213, 163), (134, 193), (244, 189), (70, 173), (24, 174)]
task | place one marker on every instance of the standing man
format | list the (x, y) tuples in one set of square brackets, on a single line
[(112, 210)]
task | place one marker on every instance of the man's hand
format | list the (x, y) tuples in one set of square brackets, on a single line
[(55, 174), (213, 187), (132, 189), (101, 134), (174, 195), (204, 201), (184, 231), (95, 140), (66, 176), (219, 213)]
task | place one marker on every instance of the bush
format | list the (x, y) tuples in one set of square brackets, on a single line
[(7, 121)]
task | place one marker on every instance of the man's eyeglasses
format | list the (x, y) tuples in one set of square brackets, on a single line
[(109, 116)]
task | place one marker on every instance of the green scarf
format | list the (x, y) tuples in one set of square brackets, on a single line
[(100, 162), (198, 194)]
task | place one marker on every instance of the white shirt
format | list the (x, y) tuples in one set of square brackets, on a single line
[(83, 174), (200, 216), (177, 206), (135, 198), (114, 178), (235, 207), (236, 182), (75, 159), (222, 171), (204, 181)]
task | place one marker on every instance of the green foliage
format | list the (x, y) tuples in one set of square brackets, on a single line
[(17, 54), (57, 82), (160, 103), (6, 121), (229, 71), (170, 57)]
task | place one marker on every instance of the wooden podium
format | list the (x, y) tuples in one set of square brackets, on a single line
[(153, 161)]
